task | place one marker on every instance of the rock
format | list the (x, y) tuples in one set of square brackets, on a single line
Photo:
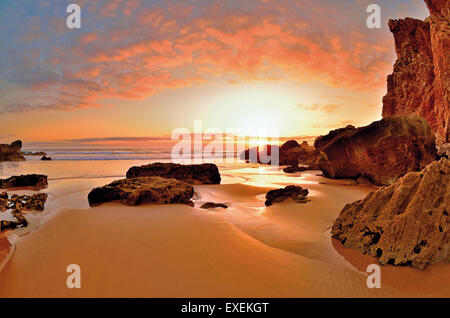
[(289, 145), (45, 158), (11, 152), (133, 191), (7, 225), (35, 202), (406, 223), (4, 195), (290, 154), (21, 220), (381, 152), (292, 169), (29, 180), (212, 205), (4, 204), (247, 155), (420, 82), (255, 155), (444, 150), (19, 203), (297, 193), (37, 153), (304, 154), (206, 173)]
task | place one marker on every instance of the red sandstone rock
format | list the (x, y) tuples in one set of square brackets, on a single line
[(381, 152), (420, 82)]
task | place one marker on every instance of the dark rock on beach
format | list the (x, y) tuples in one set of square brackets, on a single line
[(212, 205), (29, 180), (11, 152), (297, 193), (293, 169), (35, 202), (381, 152), (134, 191), (289, 145), (206, 173), (17, 204), (304, 154), (290, 154), (406, 223), (45, 158), (10, 225)]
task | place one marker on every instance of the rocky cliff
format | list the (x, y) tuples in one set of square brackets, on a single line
[(420, 82)]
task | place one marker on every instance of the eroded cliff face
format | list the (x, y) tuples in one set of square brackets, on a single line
[(420, 82)]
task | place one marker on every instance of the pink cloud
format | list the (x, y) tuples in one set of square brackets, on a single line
[(165, 49)]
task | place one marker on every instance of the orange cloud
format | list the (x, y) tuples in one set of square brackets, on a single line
[(159, 48)]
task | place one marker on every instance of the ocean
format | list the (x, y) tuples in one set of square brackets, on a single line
[(152, 154)]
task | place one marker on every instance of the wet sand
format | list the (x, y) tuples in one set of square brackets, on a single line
[(247, 250)]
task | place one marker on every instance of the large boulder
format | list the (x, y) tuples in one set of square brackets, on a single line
[(206, 173), (382, 151), (28, 180), (11, 152), (133, 191), (420, 82), (289, 145), (406, 223), (304, 155)]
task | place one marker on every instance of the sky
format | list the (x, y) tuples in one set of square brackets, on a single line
[(137, 70)]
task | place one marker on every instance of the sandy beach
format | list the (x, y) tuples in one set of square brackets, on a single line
[(247, 250)]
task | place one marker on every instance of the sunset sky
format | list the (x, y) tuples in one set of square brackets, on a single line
[(139, 69)]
